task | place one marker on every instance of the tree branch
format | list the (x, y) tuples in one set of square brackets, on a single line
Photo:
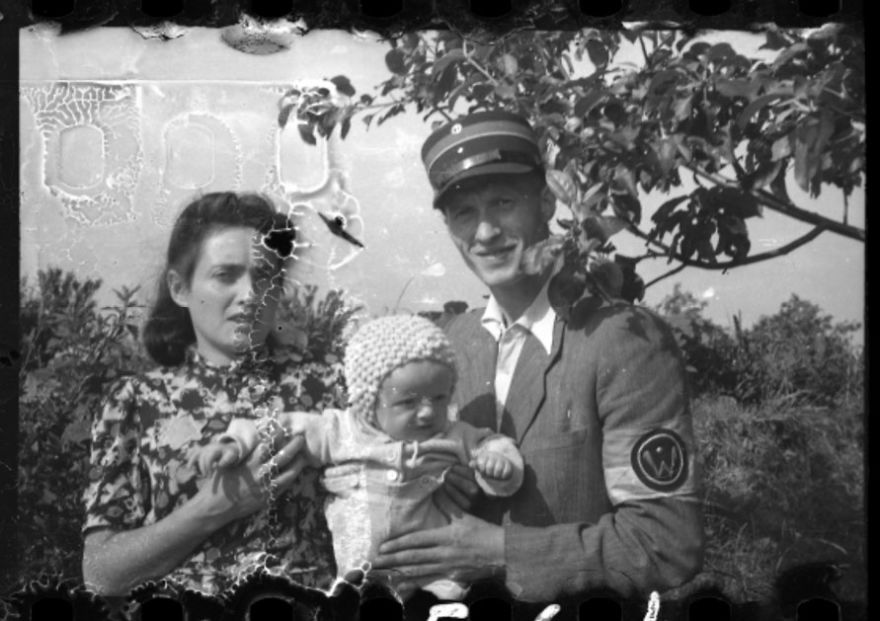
[(726, 265), (644, 51), (788, 209), (671, 272)]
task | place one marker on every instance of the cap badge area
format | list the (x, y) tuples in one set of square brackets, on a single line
[(659, 459), (455, 129)]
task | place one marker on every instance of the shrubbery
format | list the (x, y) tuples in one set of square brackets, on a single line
[(777, 419), (798, 354)]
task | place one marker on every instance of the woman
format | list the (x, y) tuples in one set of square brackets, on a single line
[(148, 514)]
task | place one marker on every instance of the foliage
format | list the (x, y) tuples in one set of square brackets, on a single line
[(784, 486), (706, 347), (801, 352), (798, 353), (71, 350), (316, 325), (738, 125)]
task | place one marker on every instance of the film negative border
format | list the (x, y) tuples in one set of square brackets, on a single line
[(390, 16), (804, 596)]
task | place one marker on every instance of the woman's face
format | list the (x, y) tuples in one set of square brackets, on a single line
[(233, 293)]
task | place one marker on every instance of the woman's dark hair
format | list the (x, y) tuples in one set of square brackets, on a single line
[(169, 330)]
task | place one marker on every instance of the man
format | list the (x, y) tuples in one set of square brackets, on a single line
[(598, 409)]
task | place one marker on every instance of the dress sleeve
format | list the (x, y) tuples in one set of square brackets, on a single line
[(118, 492)]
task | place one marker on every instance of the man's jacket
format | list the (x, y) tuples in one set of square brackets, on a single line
[(610, 496)]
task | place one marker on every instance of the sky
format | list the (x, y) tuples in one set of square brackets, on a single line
[(196, 83)]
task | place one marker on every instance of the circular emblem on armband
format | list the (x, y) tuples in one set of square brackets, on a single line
[(659, 459)]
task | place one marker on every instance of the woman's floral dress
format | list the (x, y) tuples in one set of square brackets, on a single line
[(153, 423)]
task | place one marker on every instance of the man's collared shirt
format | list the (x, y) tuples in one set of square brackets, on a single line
[(538, 319)]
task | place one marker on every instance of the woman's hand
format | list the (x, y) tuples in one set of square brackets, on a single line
[(233, 493)]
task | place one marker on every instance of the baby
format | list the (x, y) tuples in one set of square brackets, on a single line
[(390, 450)]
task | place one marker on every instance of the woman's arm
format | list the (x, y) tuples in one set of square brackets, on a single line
[(116, 561)]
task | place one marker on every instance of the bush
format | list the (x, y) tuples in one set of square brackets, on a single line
[(784, 486), (70, 351), (799, 353)]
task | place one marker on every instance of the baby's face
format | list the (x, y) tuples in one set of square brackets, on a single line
[(413, 401)]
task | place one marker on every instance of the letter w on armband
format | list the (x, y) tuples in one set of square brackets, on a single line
[(654, 463)]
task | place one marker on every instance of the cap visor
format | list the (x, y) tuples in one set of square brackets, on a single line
[(496, 168)]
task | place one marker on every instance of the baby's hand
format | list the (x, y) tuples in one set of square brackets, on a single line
[(217, 456), (492, 466)]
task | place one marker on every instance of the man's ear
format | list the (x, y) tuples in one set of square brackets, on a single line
[(177, 288)]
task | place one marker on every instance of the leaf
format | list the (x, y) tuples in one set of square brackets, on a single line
[(597, 52), (283, 115), (445, 83), (508, 64), (76, 432), (661, 79), (603, 227), (798, 48), (614, 111), (562, 186), (587, 206), (453, 56), (664, 210), (682, 107), (733, 201), (608, 275), (395, 60), (696, 50), (775, 41), (627, 206), (625, 179), (762, 176), (307, 133), (586, 103), (720, 51), (346, 126), (566, 288), (777, 186), (538, 257), (745, 116), (633, 287), (735, 88), (781, 148), (343, 85), (505, 91), (666, 150)]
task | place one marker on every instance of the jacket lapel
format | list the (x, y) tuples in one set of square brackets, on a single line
[(528, 387), (476, 379)]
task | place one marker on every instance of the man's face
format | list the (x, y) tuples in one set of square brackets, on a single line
[(492, 222)]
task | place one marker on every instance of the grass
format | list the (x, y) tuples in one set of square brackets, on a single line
[(784, 486)]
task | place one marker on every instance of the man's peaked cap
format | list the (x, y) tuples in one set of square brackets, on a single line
[(483, 143)]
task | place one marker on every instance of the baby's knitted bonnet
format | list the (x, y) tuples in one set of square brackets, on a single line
[(383, 345)]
